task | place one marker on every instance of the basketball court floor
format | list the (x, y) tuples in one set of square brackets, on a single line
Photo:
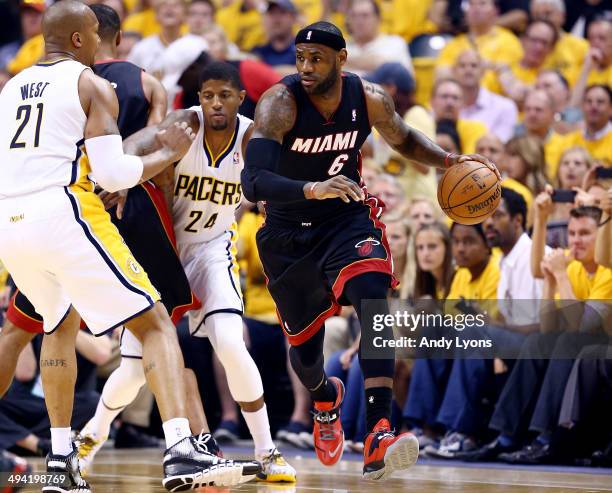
[(139, 471)]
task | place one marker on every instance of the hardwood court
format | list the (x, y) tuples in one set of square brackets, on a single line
[(136, 471)]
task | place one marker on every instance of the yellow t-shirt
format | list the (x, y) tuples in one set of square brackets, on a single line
[(482, 288), (499, 45), (243, 28), (600, 149), (590, 287), (259, 303), (568, 56), (600, 77), (470, 131), (409, 18), (30, 52)]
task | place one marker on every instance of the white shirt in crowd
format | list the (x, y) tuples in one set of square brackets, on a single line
[(385, 48)]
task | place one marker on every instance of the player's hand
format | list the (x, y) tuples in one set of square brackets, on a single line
[(111, 200), (337, 187), (480, 159), (544, 203), (176, 139)]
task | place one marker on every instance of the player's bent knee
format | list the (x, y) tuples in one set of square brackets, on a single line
[(154, 320)]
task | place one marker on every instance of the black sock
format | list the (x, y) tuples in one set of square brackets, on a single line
[(326, 392), (378, 405)]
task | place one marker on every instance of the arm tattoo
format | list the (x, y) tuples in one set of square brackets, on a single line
[(46, 363), (407, 141), (275, 114)]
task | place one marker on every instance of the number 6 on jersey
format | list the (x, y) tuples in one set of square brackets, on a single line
[(337, 165)]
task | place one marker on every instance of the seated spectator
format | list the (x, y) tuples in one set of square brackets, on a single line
[(241, 22), (498, 113), (524, 162), (603, 246), (532, 396), (129, 39), (279, 22), (492, 148), (539, 116), (446, 103), (515, 80), (200, 16), (513, 14), (422, 211), (389, 190), (143, 20), (557, 88), (368, 48), (570, 51), (370, 171), (399, 236), (147, 53), (476, 278), (596, 137), (494, 43), (434, 272), (400, 85), (597, 68), (33, 47)]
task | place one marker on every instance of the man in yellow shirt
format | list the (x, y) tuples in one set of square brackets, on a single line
[(596, 137), (495, 44), (597, 68), (242, 22), (570, 51), (516, 79), (446, 104)]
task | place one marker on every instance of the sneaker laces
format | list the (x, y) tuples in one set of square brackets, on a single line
[(274, 457), (201, 441), (326, 427), (86, 443)]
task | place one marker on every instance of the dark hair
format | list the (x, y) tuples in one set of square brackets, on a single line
[(559, 75), (477, 227), (515, 203), (425, 282), (605, 87), (109, 23), (547, 23), (444, 80), (449, 127), (220, 71), (324, 26), (586, 211)]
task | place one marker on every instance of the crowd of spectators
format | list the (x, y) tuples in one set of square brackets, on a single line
[(527, 84)]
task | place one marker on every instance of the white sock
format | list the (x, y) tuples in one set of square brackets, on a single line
[(175, 430), (61, 444), (259, 426)]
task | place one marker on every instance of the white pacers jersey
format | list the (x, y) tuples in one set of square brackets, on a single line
[(207, 191), (42, 126)]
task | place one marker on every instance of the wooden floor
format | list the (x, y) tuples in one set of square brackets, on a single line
[(139, 471)]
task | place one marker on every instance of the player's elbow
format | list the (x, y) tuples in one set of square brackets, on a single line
[(247, 180)]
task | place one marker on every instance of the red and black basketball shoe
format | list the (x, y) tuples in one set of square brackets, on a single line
[(384, 453), (327, 431), (10, 463)]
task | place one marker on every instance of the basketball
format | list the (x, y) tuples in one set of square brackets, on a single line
[(469, 192)]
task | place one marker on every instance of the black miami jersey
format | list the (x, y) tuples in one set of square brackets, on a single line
[(126, 79), (317, 149)]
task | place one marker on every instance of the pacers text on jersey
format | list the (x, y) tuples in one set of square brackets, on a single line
[(208, 188)]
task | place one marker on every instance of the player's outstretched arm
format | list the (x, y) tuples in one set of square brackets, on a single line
[(275, 116), (113, 169), (408, 141), (157, 97)]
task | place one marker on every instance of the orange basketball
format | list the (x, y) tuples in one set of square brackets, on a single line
[(469, 192)]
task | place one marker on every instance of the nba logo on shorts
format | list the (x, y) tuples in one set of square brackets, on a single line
[(308, 35), (236, 157)]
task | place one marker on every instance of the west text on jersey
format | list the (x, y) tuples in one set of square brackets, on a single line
[(331, 142), (202, 188), (33, 90)]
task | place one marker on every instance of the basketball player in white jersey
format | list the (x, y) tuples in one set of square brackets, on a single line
[(206, 194), (57, 131)]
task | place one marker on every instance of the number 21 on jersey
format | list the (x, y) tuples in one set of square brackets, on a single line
[(23, 114)]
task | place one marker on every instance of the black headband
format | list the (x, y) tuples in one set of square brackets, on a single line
[(325, 38)]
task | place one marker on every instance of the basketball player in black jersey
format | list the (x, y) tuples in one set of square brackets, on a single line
[(322, 245)]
